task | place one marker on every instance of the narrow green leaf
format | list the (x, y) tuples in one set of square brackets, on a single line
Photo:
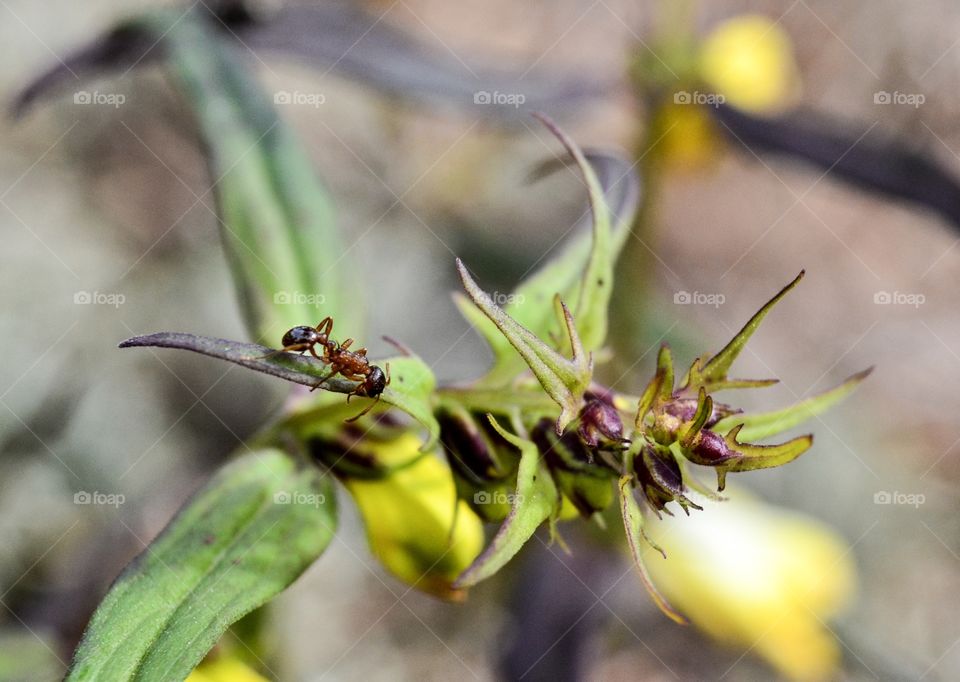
[(704, 410), (766, 424), (648, 398), (633, 525), (564, 273), (289, 264), (535, 501), (665, 370), (593, 302), (751, 457), (411, 388), (411, 381), (763, 456), (300, 369), (249, 533), (716, 368), (565, 381)]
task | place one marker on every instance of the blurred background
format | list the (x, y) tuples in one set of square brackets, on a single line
[(109, 230)]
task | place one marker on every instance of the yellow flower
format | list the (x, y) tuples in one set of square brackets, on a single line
[(409, 515), (758, 578), (749, 60), (686, 136), (224, 670)]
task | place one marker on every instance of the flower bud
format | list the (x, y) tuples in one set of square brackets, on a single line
[(600, 423), (467, 448), (709, 449), (482, 463), (684, 409), (588, 486), (660, 478)]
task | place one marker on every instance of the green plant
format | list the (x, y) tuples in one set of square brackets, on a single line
[(535, 440)]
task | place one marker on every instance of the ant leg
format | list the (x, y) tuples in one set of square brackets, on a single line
[(325, 326), (353, 376), (334, 369), (365, 410), (387, 372), (346, 344), (295, 348)]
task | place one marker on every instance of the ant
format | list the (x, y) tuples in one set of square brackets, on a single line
[(351, 365), (302, 339)]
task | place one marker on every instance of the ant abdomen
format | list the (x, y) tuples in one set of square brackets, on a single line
[(300, 336)]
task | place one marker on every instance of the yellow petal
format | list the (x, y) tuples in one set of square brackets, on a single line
[(408, 517), (224, 670), (749, 60), (760, 578)]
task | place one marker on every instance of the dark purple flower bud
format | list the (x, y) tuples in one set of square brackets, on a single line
[(684, 409), (467, 449), (564, 452), (600, 419), (660, 478), (709, 449)]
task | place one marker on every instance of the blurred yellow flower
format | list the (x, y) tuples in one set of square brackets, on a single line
[(749, 61), (759, 578), (224, 669), (686, 136), (409, 515)]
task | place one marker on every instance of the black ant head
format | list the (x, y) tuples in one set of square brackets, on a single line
[(374, 384), (301, 336)]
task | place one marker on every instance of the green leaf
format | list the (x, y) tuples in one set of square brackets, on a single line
[(249, 533), (593, 301), (713, 374), (613, 188), (633, 525), (665, 369), (766, 424), (704, 410), (411, 380), (565, 381), (660, 388), (289, 264), (300, 369), (535, 501), (411, 388), (750, 457)]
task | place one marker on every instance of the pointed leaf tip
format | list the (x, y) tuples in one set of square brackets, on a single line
[(716, 368), (633, 525), (565, 381), (535, 500)]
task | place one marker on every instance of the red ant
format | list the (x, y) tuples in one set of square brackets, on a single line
[(351, 365)]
